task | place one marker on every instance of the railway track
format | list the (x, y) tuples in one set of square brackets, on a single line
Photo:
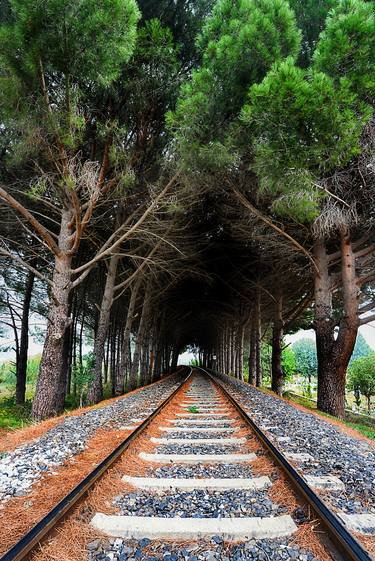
[(197, 481)]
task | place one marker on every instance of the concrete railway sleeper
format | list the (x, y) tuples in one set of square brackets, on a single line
[(201, 487)]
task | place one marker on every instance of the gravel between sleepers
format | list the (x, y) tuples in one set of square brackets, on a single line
[(203, 550), (218, 471), (194, 435), (198, 504), (200, 449), (335, 453), (20, 468)]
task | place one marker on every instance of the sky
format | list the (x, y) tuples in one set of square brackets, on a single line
[(368, 332)]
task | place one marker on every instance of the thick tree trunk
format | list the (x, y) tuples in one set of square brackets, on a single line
[(277, 337), (95, 393), (258, 341), (48, 399), (334, 355), (21, 365)]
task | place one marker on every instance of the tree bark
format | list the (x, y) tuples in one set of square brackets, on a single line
[(252, 353), (258, 341), (241, 335), (277, 337), (334, 354), (48, 399), (21, 365), (125, 364), (133, 378), (95, 393)]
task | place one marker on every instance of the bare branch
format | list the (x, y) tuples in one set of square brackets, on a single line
[(42, 231), (25, 264), (267, 221)]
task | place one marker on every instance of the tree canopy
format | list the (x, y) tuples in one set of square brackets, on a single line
[(189, 173)]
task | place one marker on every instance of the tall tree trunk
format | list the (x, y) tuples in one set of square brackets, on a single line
[(258, 341), (126, 352), (95, 393), (334, 355), (324, 329), (48, 395), (277, 337), (133, 378), (241, 335), (64, 375), (252, 353), (21, 365)]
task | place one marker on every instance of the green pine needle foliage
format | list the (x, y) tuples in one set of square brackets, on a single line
[(301, 127), (346, 47), (239, 42), (85, 39)]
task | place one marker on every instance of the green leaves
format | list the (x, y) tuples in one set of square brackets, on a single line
[(58, 61), (85, 39), (301, 126), (239, 42), (362, 376), (346, 48)]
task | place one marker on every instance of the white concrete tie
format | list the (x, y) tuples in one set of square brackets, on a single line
[(229, 529), (167, 483), (197, 458)]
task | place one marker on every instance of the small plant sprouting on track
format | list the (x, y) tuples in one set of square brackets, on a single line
[(193, 409)]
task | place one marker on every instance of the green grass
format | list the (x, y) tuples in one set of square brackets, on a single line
[(193, 409), (363, 429), (14, 416), (366, 430)]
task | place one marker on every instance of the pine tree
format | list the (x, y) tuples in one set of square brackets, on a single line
[(346, 47), (50, 69), (240, 41)]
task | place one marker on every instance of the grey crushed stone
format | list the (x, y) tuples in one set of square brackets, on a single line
[(198, 504), (20, 468), (202, 471), (335, 453), (203, 550)]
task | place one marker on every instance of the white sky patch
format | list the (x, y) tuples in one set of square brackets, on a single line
[(368, 332)]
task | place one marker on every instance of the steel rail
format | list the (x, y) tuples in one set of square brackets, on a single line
[(25, 545), (346, 541)]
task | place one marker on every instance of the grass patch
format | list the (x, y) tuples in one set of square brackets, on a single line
[(193, 409), (363, 429), (14, 416)]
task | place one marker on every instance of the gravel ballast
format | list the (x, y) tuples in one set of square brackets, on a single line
[(198, 504), (22, 467), (210, 550), (334, 452)]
